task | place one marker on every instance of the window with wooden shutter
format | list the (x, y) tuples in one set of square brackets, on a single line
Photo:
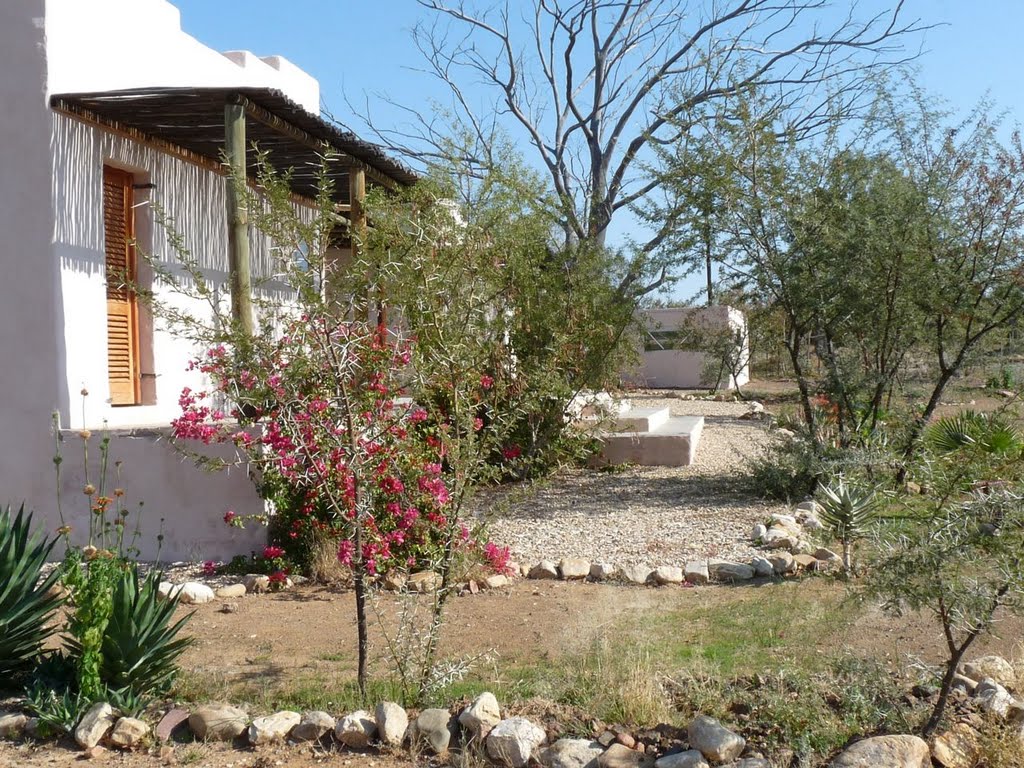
[(122, 310)]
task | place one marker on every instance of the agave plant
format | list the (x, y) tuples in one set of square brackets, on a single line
[(27, 602), (140, 648), (847, 513)]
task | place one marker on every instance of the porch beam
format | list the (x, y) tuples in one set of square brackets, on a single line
[(269, 119)]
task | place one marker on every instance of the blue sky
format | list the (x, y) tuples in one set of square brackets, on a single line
[(359, 48)]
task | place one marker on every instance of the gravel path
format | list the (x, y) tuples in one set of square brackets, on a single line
[(643, 515)]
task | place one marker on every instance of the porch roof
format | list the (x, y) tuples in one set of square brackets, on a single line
[(192, 119)]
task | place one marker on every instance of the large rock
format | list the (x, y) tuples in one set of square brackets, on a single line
[(481, 715), (433, 729), (545, 569), (392, 723), (602, 571), (696, 572), (995, 667), (513, 742), (94, 725), (168, 589), (779, 538), (957, 748), (256, 583), (313, 726), (12, 724), (763, 567), (723, 570), (885, 752), (993, 698), (758, 532), (195, 593), (716, 742), (356, 730), (496, 581), (691, 758), (574, 568), (783, 563), (170, 722), (668, 574), (273, 728), (826, 555), (128, 732), (621, 756), (218, 722), (423, 581), (231, 592), (571, 753), (806, 562), (636, 574)]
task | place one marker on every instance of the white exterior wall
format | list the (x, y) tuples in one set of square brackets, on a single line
[(52, 295), (681, 368), (109, 45), (30, 318)]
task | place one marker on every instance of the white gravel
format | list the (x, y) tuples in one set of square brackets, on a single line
[(643, 515)]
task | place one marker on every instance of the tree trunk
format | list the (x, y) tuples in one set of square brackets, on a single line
[(921, 422), (947, 686)]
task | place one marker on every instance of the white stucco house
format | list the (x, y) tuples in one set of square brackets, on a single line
[(106, 107), (667, 357)]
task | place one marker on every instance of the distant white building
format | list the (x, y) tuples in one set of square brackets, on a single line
[(107, 106), (668, 358)]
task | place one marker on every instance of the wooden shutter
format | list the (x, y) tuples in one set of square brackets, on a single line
[(122, 311)]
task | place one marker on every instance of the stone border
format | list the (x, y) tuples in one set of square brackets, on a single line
[(785, 538), (515, 742)]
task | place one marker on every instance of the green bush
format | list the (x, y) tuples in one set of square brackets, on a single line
[(788, 469), (26, 603), (140, 644)]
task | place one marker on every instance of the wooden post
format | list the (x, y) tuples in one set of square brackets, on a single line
[(357, 228), (238, 217)]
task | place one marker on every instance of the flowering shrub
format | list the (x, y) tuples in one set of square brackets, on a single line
[(334, 448)]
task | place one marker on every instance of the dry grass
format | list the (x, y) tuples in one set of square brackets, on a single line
[(1001, 745), (324, 567)]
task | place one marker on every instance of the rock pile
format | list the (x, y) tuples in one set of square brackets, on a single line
[(509, 742)]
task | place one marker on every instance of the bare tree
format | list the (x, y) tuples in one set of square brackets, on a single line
[(594, 84)]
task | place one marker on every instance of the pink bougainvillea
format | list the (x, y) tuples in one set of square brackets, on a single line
[(316, 409)]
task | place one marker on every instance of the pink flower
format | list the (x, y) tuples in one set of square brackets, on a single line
[(486, 382), (345, 551), (272, 552), (229, 516), (497, 557), (209, 568), (511, 452), (478, 424), (417, 415)]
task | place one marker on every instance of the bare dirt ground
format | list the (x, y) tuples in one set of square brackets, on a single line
[(309, 635)]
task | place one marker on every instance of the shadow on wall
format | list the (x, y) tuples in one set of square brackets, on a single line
[(192, 200)]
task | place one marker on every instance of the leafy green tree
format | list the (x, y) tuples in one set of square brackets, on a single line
[(956, 554), (970, 286)]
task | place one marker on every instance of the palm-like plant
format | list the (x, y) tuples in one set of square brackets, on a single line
[(140, 645), (989, 433), (847, 514), (27, 602)]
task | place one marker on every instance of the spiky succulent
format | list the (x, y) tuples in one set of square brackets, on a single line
[(27, 601)]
